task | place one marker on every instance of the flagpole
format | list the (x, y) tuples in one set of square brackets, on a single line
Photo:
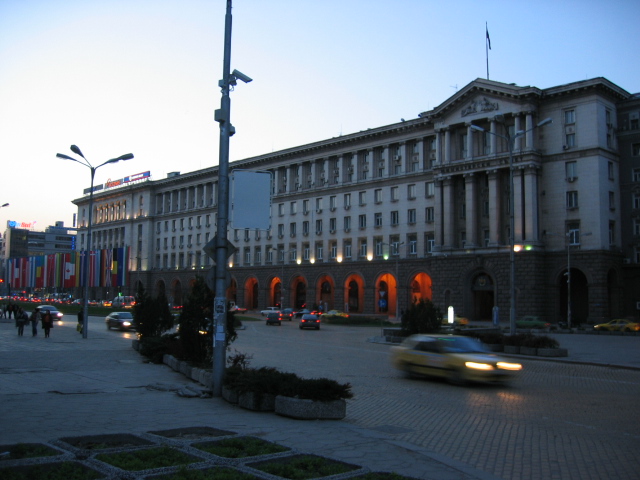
[(487, 43)]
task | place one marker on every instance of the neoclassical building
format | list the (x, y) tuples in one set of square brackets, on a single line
[(372, 221)]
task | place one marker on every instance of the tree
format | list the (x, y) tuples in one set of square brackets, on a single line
[(152, 316), (196, 329), (422, 317)]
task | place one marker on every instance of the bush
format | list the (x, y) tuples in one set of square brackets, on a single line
[(152, 316), (490, 338), (422, 317), (540, 341)]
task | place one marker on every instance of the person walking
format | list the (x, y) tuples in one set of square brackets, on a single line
[(80, 321), (47, 323), (23, 317), (35, 318)]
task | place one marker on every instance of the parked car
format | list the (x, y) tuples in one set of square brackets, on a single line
[(618, 325), (458, 358), (124, 302), (269, 310), (274, 318), (55, 314), (310, 320), (120, 320)]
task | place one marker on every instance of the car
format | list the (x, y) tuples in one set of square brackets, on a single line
[(120, 320), (235, 308), (287, 314), (269, 310), (274, 318), (123, 302), (457, 358), (618, 325), (55, 314), (107, 303), (335, 313), (309, 320)]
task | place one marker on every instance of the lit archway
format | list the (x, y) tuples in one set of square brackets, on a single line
[(483, 290), (421, 288), (251, 293), (324, 292), (354, 293), (299, 290)]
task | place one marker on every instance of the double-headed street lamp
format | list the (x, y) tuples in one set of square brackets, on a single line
[(511, 140), (85, 269)]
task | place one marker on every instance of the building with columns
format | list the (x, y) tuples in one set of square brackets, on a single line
[(373, 221)]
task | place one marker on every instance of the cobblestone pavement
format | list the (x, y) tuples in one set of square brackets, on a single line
[(558, 421)]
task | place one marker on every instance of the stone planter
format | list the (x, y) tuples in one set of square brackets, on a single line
[(511, 349), (528, 351), (305, 409), (230, 395), (257, 402), (553, 352)]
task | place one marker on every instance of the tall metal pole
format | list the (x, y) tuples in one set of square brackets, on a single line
[(87, 259), (220, 301), (568, 282), (512, 246)]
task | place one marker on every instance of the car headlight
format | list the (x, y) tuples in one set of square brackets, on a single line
[(478, 366), (126, 324), (509, 366)]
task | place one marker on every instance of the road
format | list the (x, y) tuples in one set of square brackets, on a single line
[(558, 421)]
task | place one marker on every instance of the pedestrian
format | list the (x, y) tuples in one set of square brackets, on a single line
[(80, 321), (10, 310), (47, 323), (22, 319), (35, 318)]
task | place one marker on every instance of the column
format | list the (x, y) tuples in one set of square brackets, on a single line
[(438, 233), (448, 213), (438, 159), (418, 156), (447, 146), (531, 229), (469, 142), (517, 146), (291, 180), (494, 208), (518, 234), (530, 133), (314, 179), (471, 222), (385, 159), (493, 139)]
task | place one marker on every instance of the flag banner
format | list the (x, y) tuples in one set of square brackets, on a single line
[(121, 268), (107, 266), (40, 271), (488, 38)]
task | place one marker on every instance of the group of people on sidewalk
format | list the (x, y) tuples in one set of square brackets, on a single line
[(23, 318)]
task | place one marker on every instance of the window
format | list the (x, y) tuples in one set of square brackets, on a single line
[(281, 230), (306, 252), (572, 199), (463, 145), (305, 207), (332, 224), (429, 189), (258, 255), (636, 227), (247, 256), (377, 193), (411, 191), (635, 149), (612, 201), (395, 218), (347, 249), (569, 117), (612, 233), (318, 227), (636, 175), (571, 170), (429, 214), (292, 229), (347, 201), (281, 209), (378, 219), (362, 198), (319, 251), (429, 243), (411, 215), (319, 205), (293, 208), (305, 228), (332, 202), (636, 200), (573, 233), (570, 140), (394, 194), (347, 224), (362, 221), (362, 249), (333, 248)]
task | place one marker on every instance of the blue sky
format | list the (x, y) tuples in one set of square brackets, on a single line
[(140, 76)]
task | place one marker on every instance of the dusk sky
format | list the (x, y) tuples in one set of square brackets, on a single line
[(141, 76)]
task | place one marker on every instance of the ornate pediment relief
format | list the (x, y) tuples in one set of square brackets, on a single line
[(479, 106)]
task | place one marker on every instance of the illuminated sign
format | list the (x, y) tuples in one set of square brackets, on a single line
[(15, 224), (118, 183)]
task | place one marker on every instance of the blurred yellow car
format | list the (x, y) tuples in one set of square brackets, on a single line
[(457, 358), (618, 325), (335, 313)]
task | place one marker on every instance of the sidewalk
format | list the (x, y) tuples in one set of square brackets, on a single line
[(68, 386)]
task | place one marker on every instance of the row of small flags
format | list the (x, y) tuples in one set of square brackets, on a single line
[(107, 268)]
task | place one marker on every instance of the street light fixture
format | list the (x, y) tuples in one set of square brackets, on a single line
[(85, 269), (511, 140), (5, 205)]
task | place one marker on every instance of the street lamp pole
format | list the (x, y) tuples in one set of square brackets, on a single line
[(85, 269), (511, 140)]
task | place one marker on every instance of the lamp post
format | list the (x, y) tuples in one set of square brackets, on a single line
[(511, 140), (3, 266), (85, 269)]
